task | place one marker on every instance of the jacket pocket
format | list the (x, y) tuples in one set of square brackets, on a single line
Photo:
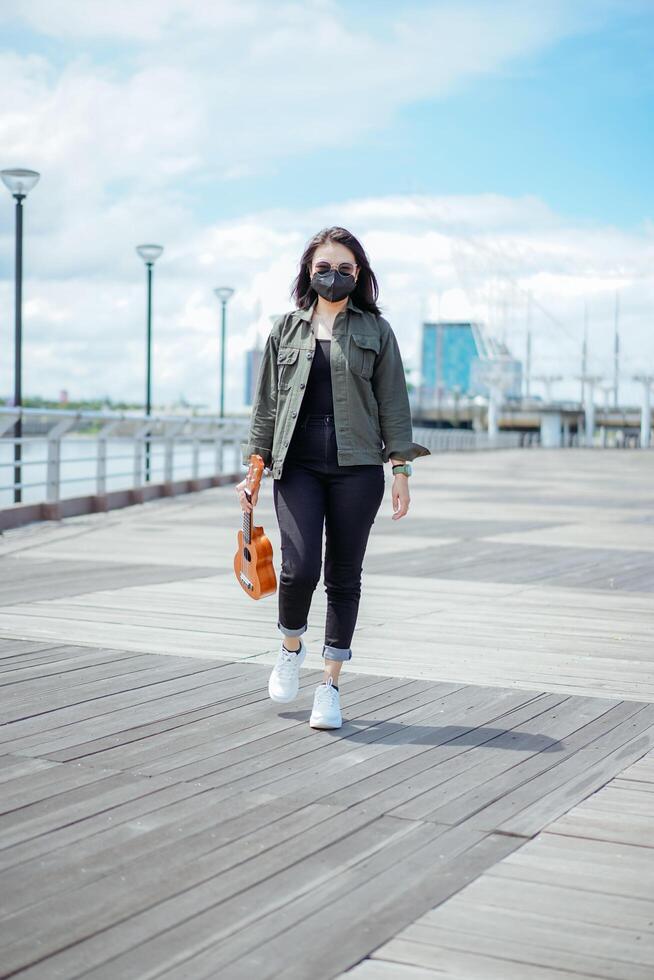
[(363, 351), (286, 358)]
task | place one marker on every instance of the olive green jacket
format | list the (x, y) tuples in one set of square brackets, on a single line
[(372, 417)]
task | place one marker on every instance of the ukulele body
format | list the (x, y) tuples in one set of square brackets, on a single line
[(253, 564)]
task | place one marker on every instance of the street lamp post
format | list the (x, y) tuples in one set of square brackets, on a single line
[(19, 183), (149, 254), (223, 293)]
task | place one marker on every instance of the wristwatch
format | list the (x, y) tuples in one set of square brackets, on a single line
[(402, 468)]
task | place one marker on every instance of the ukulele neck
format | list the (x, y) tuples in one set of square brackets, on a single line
[(247, 526)]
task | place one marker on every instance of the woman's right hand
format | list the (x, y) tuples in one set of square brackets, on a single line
[(243, 498)]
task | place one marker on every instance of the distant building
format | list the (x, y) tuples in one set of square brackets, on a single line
[(253, 359), (454, 357), (252, 364), (448, 350), (504, 368), (63, 396)]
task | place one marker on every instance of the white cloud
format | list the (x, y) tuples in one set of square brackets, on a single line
[(188, 89), (159, 101), (87, 334)]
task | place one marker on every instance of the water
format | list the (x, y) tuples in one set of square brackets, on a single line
[(79, 464)]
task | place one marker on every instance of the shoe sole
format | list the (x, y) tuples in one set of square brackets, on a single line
[(279, 700), (314, 724)]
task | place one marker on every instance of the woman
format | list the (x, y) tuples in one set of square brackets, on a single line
[(330, 409)]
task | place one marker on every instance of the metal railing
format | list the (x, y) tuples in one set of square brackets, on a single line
[(446, 440), (93, 434), (74, 462)]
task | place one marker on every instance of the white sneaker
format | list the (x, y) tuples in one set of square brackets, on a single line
[(326, 711), (284, 681)]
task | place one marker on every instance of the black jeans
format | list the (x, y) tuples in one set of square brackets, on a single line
[(314, 490)]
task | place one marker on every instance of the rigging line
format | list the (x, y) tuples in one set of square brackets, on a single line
[(502, 273), (500, 259)]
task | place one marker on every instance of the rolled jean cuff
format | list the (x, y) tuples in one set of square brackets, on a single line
[(297, 632), (336, 653)]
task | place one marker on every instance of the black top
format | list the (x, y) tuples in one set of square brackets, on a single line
[(318, 399)]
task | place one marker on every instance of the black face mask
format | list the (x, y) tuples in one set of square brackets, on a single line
[(333, 285)]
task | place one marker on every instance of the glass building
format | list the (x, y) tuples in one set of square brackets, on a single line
[(451, 356), (252, 363)]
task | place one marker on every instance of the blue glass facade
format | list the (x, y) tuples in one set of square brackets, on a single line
[(448, 350), (455, 356)]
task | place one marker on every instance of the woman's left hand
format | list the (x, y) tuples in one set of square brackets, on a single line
[(401, 495)]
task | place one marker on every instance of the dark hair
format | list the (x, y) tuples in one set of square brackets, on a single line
[(365, 292)]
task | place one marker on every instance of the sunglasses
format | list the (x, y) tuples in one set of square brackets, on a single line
[(345, 268)]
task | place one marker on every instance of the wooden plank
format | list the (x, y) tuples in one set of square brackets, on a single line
[(153, 682), (413, 759), (241, 745), (34, 576), (13, 766), (180, 824), (152, 801), (169, 820), (282, 766), (166, 887), (582, 864), (153, 700), (529, 776), (61, 654), (240, 698), (463, 967), (391, 895), (453, 952), (27, 686), (584, 905), (552, 899)]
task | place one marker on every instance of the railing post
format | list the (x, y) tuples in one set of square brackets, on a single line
[(137, 476), (198, 429), (169, 456), (170, 434), (139, 439), (7, 423), (53, 477), (218, 448), (101, 466), (53, 474), (195, 464)]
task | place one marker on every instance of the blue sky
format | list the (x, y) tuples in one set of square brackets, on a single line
[(572, 124), (480, 149)]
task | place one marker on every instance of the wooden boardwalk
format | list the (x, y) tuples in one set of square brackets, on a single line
[(576, 901), (484, 812)]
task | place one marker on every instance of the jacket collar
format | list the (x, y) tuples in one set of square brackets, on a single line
[(306, 314)]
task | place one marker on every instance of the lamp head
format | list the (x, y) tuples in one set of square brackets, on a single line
[(149, 253), (223, 293), (19, 181)]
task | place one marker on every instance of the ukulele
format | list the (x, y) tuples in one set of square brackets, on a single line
[(253, 563)]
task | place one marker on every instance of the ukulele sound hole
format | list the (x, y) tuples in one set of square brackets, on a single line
[(247, 555)]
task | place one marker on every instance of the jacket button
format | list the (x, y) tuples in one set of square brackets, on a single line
[(293, 414), (302, 385), (285, 444), (309, 356)]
